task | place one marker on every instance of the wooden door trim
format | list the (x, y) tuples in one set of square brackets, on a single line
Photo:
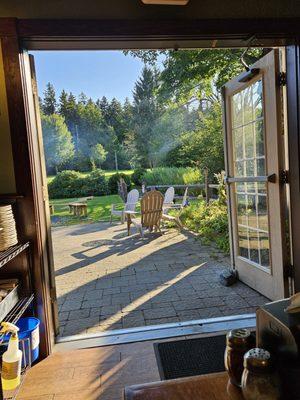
[(29, 224)]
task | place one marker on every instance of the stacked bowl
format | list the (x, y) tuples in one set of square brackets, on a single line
[(8, 233)]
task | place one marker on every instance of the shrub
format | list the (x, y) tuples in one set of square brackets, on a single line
[(210, 221), (65, 184), (95, 184), (138, 176), (113, 182), (73, 184)]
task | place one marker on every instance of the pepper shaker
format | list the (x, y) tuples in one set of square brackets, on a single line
[(238, 342), (259, 380)]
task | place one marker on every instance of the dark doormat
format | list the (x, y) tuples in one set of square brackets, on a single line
[(177, 359)]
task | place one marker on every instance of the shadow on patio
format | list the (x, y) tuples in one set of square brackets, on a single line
[(107, 280)]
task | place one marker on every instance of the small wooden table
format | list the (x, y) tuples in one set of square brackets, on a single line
[(204, 387), (78, 209)]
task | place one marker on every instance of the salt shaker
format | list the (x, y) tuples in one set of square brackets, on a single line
[(238, 342), (259, 380)]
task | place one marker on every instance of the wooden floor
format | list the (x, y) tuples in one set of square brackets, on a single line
[(90, 374)]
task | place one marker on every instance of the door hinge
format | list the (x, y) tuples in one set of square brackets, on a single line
[(282, 79), (284, 176), (289, 271), (53, 296)]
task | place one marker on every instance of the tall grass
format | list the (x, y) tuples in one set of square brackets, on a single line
[(172, 176)]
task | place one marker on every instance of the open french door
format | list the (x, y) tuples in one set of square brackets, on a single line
[(38, 161), (254, 161)]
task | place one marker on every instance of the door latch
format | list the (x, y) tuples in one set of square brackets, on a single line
[(289, 271), (284, 176), (282, 79)]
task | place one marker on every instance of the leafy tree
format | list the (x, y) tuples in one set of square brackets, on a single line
[(186, 71), (98, 155), (58, 143), (202, 147), (49, 102)]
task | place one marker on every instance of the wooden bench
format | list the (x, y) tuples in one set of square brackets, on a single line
[(78, 209)]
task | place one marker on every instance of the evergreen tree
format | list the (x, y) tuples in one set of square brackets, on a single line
[(63, 104), (146, 112), (49, 102)]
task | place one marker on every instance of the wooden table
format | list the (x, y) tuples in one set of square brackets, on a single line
[(78, 209), (204, 387)]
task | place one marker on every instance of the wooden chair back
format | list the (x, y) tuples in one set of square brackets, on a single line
[(151, 208)]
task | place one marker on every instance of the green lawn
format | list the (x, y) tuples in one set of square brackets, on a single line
[(107, 173), (98, 210)]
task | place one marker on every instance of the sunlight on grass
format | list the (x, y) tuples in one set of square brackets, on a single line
[(98, 209)]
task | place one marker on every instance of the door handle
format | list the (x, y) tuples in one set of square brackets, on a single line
[(249, 179)]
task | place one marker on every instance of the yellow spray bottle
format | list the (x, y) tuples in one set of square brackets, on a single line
[(11, 359)]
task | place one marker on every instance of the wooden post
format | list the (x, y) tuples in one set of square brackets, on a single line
[(206, 185)]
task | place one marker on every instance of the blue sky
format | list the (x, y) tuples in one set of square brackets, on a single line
[(96, 73)]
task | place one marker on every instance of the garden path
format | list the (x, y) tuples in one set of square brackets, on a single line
[(107, 280)]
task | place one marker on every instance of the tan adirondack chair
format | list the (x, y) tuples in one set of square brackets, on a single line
[(151, 213)]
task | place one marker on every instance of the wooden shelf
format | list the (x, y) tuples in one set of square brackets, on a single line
[(11, 253)]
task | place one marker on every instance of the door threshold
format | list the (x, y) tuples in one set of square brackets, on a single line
[(154, 332)]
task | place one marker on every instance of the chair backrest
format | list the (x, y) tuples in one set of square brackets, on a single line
[(132, 199), (185, 197), (151, 208), (169, 195)]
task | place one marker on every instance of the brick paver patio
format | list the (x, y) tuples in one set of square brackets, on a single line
[(106, 280)]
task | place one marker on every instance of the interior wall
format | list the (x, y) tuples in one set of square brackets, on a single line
[(7, 178), (134, 9)]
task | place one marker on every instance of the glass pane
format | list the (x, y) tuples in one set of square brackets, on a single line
[(242, 209), (237, 110), (260, 167), (243, 242), (254, 246), (264, 249), (249, 141), (239, 168), (257, 99), (251, 211), (247, 105), (262, 213), (250, 168), (259, 138), (238, 143)]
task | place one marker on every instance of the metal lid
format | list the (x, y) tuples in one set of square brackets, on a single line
[(238, 337), (258, 359)]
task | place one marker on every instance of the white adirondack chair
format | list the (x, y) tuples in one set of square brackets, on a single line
[(132, 199), (179, 207), (169, 198)]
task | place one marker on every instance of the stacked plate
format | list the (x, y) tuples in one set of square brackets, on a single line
[(8, 234)]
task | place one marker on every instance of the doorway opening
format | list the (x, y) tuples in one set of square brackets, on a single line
[(165, 132)]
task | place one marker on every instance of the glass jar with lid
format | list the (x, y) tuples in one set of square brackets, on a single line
[(238, 342), (259, 379)]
